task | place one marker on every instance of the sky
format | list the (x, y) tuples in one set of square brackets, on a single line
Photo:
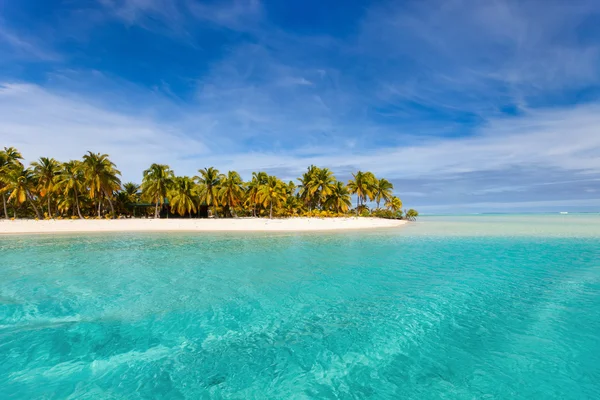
[(466, 106)]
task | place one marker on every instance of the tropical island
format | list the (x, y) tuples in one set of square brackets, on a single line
[(91, 189)]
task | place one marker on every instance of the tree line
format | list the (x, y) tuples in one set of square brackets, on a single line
[(91, 187)]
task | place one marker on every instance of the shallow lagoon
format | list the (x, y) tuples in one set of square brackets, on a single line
[(449, 307)]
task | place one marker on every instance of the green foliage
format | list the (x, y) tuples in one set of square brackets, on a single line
[(362, 185), (182, 196), (91, 188), (387, 214), (157, 181), (411, 214)]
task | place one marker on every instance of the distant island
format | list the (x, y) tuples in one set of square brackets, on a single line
[(91, 188)]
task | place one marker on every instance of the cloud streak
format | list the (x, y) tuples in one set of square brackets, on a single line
[(40, 123)]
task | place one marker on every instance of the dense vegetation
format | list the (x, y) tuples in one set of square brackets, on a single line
[(91, 187)]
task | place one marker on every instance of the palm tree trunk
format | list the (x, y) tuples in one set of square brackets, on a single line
[(37, 212), (77, 204), (49, 212), (357, 204), (271, 211), (110, 203), (156, 208), (99, 205), (4, 204)]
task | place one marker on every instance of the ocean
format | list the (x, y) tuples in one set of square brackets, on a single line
[(456, 307)]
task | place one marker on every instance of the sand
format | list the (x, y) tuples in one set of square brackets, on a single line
[(198, 225)]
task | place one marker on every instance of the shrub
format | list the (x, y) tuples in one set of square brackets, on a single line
[(388, 214), (412, 214)]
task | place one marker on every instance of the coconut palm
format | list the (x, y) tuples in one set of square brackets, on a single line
[(272, 193), (69, 183), (293, 205), (101, 177), (320, 185), (21, 183), (46, 171), (382, 190), (231, 192), (132, 190), (339, 200), (305, 193), (127, 197), (209, 182), (411, 214), (9, 159), (394, 204), (362, 186), (156, 183), (258, 179), (182, 196)]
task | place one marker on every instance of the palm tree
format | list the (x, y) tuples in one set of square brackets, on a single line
[(101, 177), (132, 190), (305, 183), (272, 193), (156, 183), (411, 214), (182, 196), (209, 181), (382, 190), (46, 170), (21, 183), (127, 197), (70, 181), (258, 179), (362, 187), (9, 159), (293, 205), (231, 192), (339, 199), (321, 185), (394, 204)]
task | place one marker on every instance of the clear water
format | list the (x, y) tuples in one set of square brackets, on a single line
[(447, 308)]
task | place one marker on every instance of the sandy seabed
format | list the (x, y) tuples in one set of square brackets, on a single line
[(199, 225)]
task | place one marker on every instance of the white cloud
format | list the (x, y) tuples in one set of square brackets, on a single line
[(43, 123), (474, 55)]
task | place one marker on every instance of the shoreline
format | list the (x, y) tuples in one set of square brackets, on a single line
[(298, 224)]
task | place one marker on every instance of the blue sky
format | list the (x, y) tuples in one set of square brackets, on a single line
[(467, 106)]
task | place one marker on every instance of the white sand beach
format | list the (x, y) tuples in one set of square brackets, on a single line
[(198, 225)]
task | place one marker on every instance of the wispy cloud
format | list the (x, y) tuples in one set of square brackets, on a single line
[(40, 122), (181, 15), (239, 15), (19, 46), (477, 56), (137, 11), (532, 146)]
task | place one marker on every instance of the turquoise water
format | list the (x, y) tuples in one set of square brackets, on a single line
[(447, 308)]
